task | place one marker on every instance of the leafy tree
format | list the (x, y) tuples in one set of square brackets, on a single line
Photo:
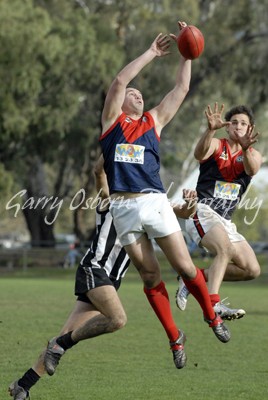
[(58, 58), (46, 113)]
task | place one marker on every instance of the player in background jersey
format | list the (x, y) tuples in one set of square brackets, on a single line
[(98, 309), (226, 168), (139, 205)]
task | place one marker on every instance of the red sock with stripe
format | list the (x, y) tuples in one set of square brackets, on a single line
[(198, 288), (159, 300)]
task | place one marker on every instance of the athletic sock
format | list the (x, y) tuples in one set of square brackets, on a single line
[(203, 273), (214, 298), (198, 288), (159, 300), (29, 379), (66, 341)]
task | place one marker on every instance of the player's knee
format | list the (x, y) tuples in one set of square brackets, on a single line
[(254, 271), (251, 269), (118, 322), (150, 280)]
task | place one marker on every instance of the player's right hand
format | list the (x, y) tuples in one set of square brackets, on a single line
[(214, 117)]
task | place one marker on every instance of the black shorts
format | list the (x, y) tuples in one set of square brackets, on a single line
[(88, 278)]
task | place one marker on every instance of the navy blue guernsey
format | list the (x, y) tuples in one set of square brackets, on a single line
[(222, 180), (131, 155)]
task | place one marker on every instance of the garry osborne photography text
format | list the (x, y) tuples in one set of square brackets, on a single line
[(20, 201)]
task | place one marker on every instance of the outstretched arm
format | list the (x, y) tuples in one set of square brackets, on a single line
[(101, 181), (166, 110), (252, 159), (116, 93), (207, 144)]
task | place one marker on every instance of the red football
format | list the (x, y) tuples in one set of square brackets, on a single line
[(191, 42)]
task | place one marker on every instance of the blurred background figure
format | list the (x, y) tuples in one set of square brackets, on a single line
[(70, 260)]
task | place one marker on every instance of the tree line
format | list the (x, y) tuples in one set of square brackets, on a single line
[(58, 58)]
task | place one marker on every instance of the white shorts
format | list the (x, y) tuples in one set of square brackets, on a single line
[(204, 219), (150, 213)]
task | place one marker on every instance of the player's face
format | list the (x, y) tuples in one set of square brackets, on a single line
[(239, 125), (133, 102)]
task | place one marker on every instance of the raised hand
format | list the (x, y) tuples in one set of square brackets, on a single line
[(248, 139), (189, 195), (214, 117), (161, 45), (181, 25)]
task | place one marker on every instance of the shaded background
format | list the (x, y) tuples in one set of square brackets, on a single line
[(58, 58)]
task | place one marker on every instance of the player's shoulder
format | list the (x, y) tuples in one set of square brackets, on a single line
[(109, 124), (153, 120), (217, 144)]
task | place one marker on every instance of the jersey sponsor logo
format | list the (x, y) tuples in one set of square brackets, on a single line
[(129, 153), (239, 159), (128, 120), (226, 190), (224, 154)]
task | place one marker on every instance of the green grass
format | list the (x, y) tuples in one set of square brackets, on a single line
[(134, 363)]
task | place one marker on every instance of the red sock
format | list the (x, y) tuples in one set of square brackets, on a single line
[(214, 298), (159, 300), (204, 275), (198, 288)]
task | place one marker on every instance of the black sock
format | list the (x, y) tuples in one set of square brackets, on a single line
[(29, 379), (65, 341)]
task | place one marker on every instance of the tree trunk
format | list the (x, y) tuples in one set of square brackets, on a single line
[(81, 228), (37, 213)]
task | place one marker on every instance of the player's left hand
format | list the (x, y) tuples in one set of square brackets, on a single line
[(248, 139)]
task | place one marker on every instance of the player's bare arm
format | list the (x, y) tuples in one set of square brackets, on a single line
[(116, 93), (166, 110), (101, 182), (207, 144), (252, 159)]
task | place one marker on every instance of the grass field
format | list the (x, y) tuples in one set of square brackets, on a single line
[(134, 363)]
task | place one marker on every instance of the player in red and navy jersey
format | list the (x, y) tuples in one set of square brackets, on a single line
[(226, 168), (139, 205), (131, 151)]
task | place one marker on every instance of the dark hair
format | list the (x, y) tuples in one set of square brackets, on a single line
[(240, 110), (132, 87)]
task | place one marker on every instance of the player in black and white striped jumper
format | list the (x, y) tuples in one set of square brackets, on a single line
[(98, 309), (104, 262)]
